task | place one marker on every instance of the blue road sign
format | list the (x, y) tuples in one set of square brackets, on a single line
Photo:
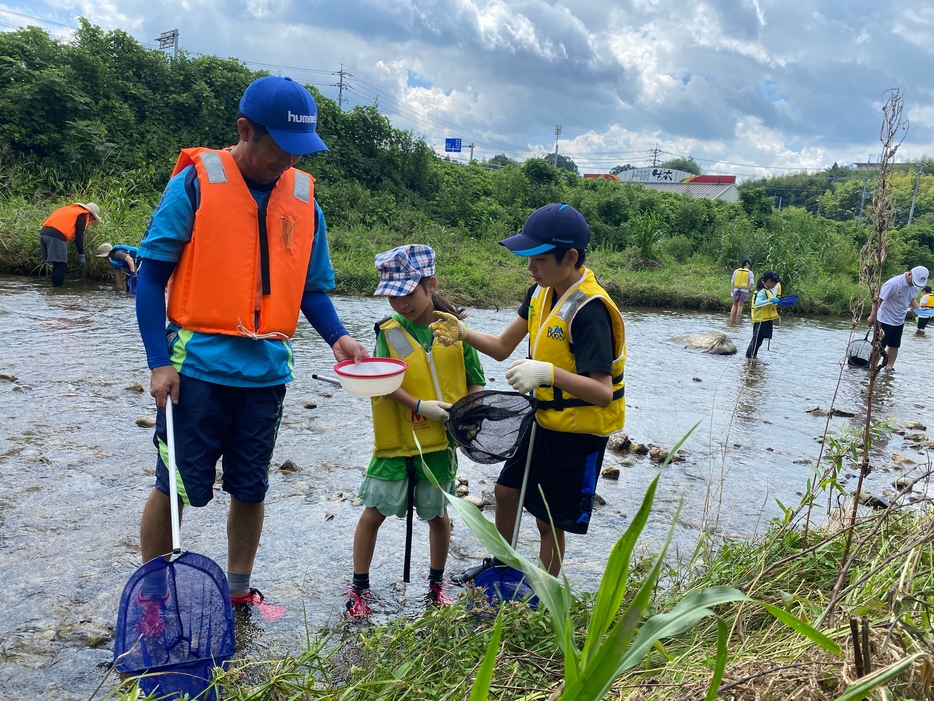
[(452, 145)]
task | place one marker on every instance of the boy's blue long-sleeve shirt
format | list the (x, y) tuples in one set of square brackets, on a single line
[(227, 360)]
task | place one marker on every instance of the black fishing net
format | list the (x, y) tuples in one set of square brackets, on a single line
[(859, 353), (489, 425)]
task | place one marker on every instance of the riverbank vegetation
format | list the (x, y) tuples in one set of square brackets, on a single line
[(101, 118)]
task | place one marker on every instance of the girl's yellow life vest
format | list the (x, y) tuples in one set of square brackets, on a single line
[(741, 279), (766, 312), (550, 340), (927, 302), (436, 374)]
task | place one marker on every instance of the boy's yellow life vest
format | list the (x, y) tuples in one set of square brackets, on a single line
[(438, 374), (927, 302), (741, 279), (766, 312), (550, 340)]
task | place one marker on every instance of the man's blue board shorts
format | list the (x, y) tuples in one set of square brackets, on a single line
[(212, 422)]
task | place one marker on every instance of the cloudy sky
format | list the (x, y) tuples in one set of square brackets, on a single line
[(749, 87)]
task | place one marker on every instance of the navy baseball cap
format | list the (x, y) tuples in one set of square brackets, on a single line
[(287, 110), (551, 226)]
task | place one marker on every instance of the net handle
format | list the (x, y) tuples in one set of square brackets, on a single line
[(525, 484), (173, 473)]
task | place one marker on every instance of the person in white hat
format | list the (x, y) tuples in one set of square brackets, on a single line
[(63, 225), (123, 259), (897, 296)]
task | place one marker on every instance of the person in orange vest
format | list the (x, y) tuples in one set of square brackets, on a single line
[(64, 225), (238, 276)]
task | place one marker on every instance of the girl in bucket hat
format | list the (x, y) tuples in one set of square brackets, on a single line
[(437, 376)]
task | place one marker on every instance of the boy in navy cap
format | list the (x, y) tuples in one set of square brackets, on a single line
[(244, 242), (577, 351)]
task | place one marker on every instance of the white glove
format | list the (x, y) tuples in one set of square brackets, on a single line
[(433, 410), (448, 329), (525, 375)]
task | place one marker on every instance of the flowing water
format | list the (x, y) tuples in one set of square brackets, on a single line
[(75, 469)]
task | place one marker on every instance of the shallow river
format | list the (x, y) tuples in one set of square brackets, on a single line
[(75, 469)]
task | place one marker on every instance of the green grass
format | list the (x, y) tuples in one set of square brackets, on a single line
[(472, 272)]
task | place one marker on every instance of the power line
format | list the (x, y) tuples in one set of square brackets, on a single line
[(41, 19)]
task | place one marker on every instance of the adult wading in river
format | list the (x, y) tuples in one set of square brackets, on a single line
[(897, 295), (237, 274), (64, 225)]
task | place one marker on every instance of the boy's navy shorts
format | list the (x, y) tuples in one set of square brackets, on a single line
[(566, 465), (238, 424)]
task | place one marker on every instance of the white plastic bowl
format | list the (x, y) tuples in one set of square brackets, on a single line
[(373, 377)]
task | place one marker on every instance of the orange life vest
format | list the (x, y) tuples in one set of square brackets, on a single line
[(65, 220), (243, 274)]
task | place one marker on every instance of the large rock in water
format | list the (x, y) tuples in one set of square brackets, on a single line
[(711, 342)]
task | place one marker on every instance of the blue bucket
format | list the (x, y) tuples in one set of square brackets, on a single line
[(502, 583)]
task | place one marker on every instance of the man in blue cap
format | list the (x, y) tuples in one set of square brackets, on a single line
[(577, 352), (241, 244)]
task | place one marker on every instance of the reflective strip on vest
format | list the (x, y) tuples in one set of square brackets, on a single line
[(398, 343), (302, 188), (571, 305), (214, 167)]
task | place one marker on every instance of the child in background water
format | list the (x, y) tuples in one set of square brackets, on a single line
[(764, 311), (437, 377), (926, 302)]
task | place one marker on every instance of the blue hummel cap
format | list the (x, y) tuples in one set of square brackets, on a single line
[(287, 110), (551, 226)]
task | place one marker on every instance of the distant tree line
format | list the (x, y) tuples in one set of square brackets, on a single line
[(103, 110)]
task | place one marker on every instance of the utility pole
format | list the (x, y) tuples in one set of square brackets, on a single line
[(341, 86), (654, 152), (557, 134), (169, 39), (862, 199), (914, 197)]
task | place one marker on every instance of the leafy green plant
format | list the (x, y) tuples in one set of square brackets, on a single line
[(618, 640)]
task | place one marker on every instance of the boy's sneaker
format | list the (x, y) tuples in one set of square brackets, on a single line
[(254, 597), (470, 574), (355, 603), (151, 623), (438, 596)]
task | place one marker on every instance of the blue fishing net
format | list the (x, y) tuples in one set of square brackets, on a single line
[(174, 626), (501, 583)]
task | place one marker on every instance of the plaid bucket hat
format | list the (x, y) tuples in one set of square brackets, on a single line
[(401, 268)]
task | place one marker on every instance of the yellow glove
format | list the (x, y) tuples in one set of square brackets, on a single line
[(448, 329)]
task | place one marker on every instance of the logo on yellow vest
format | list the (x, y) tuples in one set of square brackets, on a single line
[(556, 332), (414, 418)]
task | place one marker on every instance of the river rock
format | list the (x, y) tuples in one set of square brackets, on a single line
[(914, 426), (462, 490), (627, 462), (903, 484), (901, 459), (657, 454), (8, 376), (619, 442), (356, 501), (598, 500), (610, 472), (326, 395), (461, 479), (135, 387), (488, 497), (876, 502), (842, 413), (638, 448), (22, 389), (146, 422), (476, 501), (309, 404), (712, 342), (696, 379), (812, 409), (289, 467)]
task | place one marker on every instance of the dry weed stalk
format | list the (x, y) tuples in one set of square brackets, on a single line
[(872, 257)]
